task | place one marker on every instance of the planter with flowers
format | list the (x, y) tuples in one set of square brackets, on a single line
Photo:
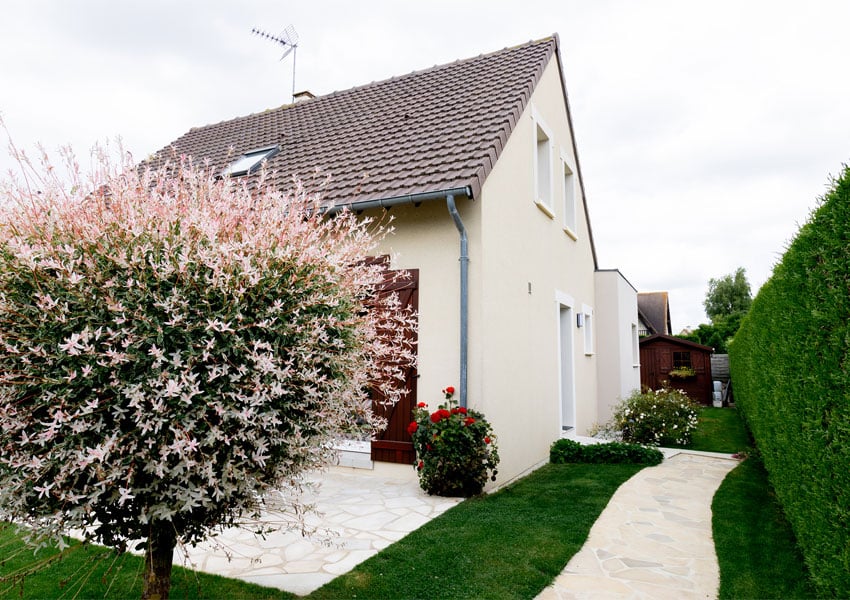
[(455, 448), (682, 373)]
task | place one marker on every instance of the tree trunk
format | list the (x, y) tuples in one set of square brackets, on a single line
[(158, 557)]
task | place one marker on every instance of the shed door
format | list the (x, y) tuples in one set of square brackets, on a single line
[(394, 443)]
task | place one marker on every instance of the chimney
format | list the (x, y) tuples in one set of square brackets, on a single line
[(302, 96)]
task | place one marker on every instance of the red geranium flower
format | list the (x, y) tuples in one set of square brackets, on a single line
[(420, 465), (411, 429), (421, 405), (439, 415), (487, 439), (449, 390), (461, 409), (468, 421)]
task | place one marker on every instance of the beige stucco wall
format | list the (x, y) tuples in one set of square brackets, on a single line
[(521, 262), (426, 239), (528, 259), (619, 357)]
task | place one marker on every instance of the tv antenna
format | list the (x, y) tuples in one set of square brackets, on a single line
[(289, 40)]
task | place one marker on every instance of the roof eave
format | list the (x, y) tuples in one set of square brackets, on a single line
[(413, 199)]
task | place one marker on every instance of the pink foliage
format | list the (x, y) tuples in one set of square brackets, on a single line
[(174, 345)]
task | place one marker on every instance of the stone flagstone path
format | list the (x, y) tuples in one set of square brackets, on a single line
[(654, 539)]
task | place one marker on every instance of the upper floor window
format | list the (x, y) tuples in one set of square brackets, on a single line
[(543, 169), (569, 199), (250, 161)]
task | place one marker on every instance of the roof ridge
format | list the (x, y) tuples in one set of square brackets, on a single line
[(364, 86), (457, 61)]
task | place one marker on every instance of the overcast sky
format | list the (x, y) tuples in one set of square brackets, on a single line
[(706, 131)]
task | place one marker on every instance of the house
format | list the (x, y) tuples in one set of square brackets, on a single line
[(680, 363), (477, 163), (654, 314)]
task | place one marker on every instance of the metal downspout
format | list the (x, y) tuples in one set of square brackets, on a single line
[(464, 296)]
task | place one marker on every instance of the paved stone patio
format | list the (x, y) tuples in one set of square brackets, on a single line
[(363, 510)]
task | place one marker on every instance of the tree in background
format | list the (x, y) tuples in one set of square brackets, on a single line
[(728, 297), (173, 347), (726, 303)]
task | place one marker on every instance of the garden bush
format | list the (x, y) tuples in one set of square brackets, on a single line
[(569, 451), (455, 448), (173, 346), (664, 417), (790, 365)]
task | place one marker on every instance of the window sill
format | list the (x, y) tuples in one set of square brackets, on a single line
[(546, 210), (570, 233)]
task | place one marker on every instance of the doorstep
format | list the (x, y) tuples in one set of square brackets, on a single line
[(354, 453)]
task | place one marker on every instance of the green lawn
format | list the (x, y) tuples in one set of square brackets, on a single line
[(756, 549), (720, 430), (86, 571), (510, 544)]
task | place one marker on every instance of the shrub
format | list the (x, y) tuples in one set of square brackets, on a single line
[(664, 417), (790, 365), (174, 346), (455, 448), (569, 451)]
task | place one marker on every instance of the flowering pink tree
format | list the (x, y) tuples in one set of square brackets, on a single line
[(173, 346)]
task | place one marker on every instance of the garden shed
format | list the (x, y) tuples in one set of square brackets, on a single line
[(685, 365)]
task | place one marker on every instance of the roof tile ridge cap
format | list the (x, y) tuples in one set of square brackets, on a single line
[(433, 68)]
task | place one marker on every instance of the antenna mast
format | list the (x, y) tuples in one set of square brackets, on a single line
[(289, 40)]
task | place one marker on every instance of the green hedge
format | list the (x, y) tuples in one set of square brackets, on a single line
[(791, 374), (570, 451)]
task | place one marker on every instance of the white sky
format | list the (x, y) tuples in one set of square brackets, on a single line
[(706, 131)]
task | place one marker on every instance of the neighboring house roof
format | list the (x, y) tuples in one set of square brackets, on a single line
[(438, 129), (654, 311), (674, 340)]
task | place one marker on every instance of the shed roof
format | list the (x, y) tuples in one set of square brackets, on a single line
[(432, 130), (651, 339)]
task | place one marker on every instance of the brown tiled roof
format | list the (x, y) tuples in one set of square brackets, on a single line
[(433, 130), (654, 308)]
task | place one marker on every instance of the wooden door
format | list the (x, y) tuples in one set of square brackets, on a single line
[(394, 443)]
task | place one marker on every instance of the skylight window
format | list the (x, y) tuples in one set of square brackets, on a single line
[(250, 161)]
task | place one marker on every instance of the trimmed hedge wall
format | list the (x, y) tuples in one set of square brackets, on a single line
[(790, 364), (569, 451)]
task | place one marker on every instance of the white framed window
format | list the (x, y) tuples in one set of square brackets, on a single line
[(543, 192), (250, 161), (635, 346), (586, 322), (569, 199)]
